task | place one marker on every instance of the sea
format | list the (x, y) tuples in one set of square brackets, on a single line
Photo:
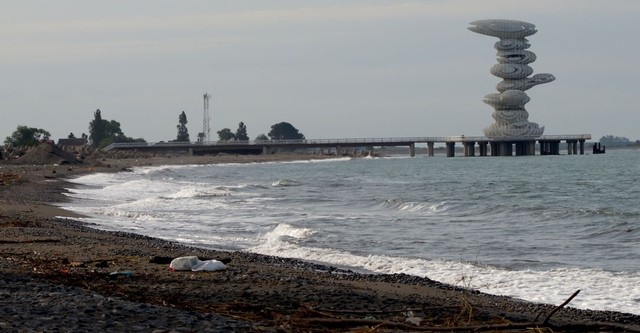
[(536, 228)]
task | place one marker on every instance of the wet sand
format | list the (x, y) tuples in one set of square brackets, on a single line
[(56, 275)]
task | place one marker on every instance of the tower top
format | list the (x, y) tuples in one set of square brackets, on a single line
[(503, 29)]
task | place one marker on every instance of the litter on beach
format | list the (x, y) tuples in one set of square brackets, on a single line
[(193, 263)]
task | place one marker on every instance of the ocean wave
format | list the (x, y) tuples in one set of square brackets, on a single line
[(310, 161), (413, 207), (286, 230), (95, 179), (603, 290), (132, 215), (192, 192), (170, 168), (284, 183), (609, 212)]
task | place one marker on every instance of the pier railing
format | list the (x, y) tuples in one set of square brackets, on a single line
[(348, 141)]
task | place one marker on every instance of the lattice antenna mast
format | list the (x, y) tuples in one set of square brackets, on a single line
[(206, 129)]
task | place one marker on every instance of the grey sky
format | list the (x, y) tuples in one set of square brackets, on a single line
[(334, 69)]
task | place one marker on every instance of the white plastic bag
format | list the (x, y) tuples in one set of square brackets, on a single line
[(209, 265), (192, 263)]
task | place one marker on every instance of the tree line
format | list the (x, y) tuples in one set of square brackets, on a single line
[(279, 131), (104, 132)]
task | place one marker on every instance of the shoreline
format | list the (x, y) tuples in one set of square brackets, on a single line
[(255, 292)]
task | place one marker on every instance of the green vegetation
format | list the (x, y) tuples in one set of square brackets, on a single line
[(285, 131), (183, 132), (241, 132), (280, 131), (225, 134), (25, 136), (103, 132), (262, 137)]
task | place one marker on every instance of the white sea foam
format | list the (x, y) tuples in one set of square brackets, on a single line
[(198, 192), (311, 161), (284, 229), (412, 206), (131, 215), (284, 182), (600, 290), (148, 170), (95, 179)]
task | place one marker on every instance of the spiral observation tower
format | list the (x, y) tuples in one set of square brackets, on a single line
[(511, 117)]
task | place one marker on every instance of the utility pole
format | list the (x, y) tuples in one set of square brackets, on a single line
[(206, 129)]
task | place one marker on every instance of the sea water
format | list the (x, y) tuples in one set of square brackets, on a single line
[(536, 228)]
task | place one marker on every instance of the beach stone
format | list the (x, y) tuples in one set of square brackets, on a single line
[(52, 307)]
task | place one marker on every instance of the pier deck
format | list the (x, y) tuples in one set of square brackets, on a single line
[(547, 145)]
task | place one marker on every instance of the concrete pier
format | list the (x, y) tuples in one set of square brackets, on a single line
[(548, 145)]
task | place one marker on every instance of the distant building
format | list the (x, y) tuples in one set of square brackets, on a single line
[(72, 144)]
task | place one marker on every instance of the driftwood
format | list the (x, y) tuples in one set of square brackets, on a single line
[(546, 320), (383, 311)]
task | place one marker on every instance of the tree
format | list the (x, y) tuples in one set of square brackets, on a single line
[(241, 133), (27, 136), (285, 131), (97, 129), (112, 128), (225, 134), (183, 133), (71, 136), (262, 137), (104, 132)]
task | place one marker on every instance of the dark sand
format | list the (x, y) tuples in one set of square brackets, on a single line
[(255, 293)]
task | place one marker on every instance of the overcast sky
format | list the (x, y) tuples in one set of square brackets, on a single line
[(334, 69)]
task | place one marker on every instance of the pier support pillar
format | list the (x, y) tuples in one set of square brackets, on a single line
[(495, 149), (430, 148), (338, 151), (570, 147), (412, 150), (581, 146), (469, 148), (265, 150), (550, 147), (555, 147), (506, 149), (531, 148), (521, 148), (482, 147), (190, 152), (451, 149)]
